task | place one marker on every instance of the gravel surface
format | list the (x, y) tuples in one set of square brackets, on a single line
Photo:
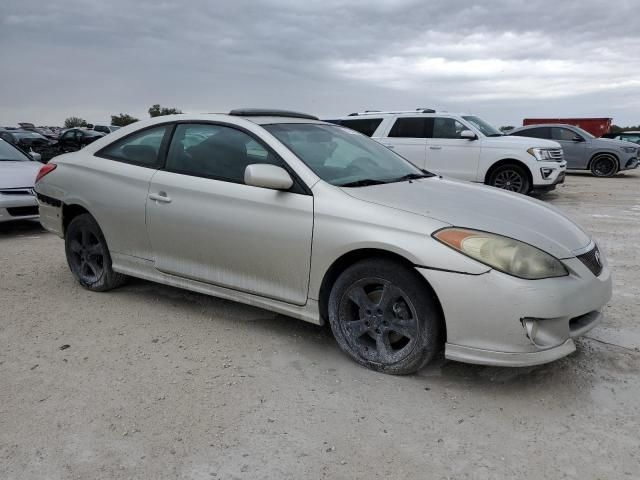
[(153, 382)]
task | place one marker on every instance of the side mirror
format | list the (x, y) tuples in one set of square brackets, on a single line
[(468, 134), (577, 138), (35, 155), (267, 176)]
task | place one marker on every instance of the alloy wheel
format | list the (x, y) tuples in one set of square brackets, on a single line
[(87, 255), (510, 180), (379, 321)]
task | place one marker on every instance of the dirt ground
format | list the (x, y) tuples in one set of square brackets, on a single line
[(152, 382)]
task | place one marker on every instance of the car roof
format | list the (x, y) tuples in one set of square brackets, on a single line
[(535, 125), (400, 113)]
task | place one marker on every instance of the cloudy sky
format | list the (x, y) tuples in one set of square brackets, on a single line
[(503, 60)]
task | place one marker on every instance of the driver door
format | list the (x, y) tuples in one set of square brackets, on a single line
[(206, 224), (573, 145)]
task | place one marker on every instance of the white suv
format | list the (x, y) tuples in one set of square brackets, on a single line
[(465, 147)]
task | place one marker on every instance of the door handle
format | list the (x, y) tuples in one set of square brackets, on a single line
[(435, 148), (160, 197)]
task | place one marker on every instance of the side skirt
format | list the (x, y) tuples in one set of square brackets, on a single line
[(144, 269)]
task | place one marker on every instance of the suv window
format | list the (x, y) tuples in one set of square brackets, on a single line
[(141, 148), (412, 127), (215, 151), (366, 126), (447, 128), (563, 134), (539, 132)]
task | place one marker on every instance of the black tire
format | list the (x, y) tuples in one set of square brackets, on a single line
[(88, 255), (384, 316), (511, 177), (604, 165)]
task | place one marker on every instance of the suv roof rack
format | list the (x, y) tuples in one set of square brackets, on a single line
[(374, 112), (267, 112)]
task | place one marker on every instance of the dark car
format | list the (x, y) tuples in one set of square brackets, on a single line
[(31, 141), (76, 138)]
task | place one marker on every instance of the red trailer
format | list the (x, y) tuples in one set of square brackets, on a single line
[(595, 126)]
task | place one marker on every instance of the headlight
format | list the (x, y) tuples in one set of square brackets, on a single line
[(502, 253), (541, 154), (629, 149)]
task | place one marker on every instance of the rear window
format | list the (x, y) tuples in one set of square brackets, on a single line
[(141, 148), (412, 127), (366, 126)]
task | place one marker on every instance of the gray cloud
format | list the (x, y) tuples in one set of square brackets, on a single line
[(501, 59)]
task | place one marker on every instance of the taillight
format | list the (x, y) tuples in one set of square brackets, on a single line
[(46, 168)]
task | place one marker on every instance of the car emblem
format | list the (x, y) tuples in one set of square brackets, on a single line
[(596, 254)]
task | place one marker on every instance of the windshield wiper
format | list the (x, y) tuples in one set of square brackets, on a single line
[(413, 176), (365, 182), (496, 135)]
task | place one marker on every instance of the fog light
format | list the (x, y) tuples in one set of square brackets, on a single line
[(546, 172)]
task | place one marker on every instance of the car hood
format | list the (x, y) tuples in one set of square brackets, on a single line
[(18, 174), (522, 142), (464, 204), (613, 143)]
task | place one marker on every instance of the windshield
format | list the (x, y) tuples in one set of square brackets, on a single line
[(485, 128), (9, 153), (343, 157), (582, 132)]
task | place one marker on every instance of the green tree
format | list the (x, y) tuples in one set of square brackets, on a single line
[(72, 122), (157, 110), (122, 119)]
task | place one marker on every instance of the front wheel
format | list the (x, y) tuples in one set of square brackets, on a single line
[(510, 177), (384, 316), (88, 256), (604, 165)]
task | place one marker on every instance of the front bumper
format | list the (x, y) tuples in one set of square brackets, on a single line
[(630, 163), (17, 207), (496, 319), (548, 174)]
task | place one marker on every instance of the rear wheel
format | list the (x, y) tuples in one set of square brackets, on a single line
[(384, 316), (604, 165), (510, 177), (88, 256)]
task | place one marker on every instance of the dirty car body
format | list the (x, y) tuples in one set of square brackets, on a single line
[(307, 207)]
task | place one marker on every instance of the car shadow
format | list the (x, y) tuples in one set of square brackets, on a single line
[(439, 374), (19, 228)]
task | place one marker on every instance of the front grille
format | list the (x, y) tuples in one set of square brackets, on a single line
[(22, 211), (556, 154), (592, 260)]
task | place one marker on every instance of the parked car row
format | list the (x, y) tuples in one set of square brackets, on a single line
[(316, 221), (528, 159), (69, 140)]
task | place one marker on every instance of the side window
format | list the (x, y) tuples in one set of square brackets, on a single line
[(215, 151), (563, 134), (411, 127), (366, 126), (142, 148), (540, 132), (68, 135), (447, 128)]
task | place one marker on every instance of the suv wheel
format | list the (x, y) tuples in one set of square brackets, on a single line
[(510, 177), (384, 318), (88, 256), (604, 165)]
